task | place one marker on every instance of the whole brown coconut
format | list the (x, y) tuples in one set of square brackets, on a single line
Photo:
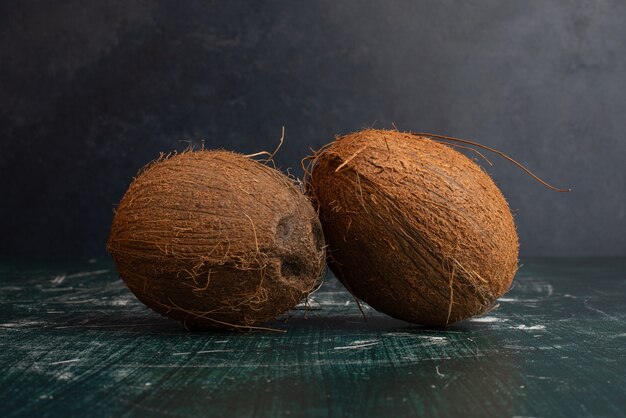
[(214, 239), (414, 228)]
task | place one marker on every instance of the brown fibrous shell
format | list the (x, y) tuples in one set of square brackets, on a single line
[(414, 228), (214, 239)]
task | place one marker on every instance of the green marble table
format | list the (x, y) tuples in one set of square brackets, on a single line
[(75, 342)]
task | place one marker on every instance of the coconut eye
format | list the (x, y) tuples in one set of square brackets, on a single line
[(290, 267), (284, 228)]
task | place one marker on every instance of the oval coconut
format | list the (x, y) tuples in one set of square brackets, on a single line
[(214, 239), (414, 228)]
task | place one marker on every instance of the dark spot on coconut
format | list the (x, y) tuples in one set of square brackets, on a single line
[(290, 267), (284, 228)]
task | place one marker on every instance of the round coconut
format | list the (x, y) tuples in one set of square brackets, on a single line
[(214, 239), (414, 228)]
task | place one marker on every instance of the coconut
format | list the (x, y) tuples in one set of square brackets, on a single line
[(415, 229), (214, 239)]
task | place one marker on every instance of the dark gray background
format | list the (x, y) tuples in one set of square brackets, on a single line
[(91, 91)]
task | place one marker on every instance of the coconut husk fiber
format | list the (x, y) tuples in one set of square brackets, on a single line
[(414, 228), (214, 239)]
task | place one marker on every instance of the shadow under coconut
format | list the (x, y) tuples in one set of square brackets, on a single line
[(332, 307), (374, 323), (155, 325)]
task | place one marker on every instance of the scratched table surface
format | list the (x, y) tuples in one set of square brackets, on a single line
[(75, 342)]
